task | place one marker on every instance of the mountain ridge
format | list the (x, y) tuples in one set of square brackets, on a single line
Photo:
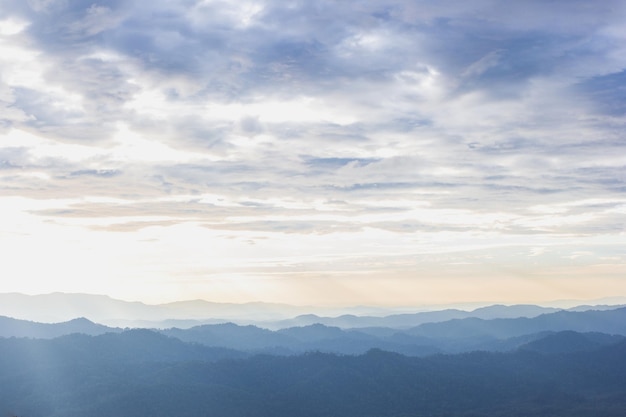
[(103, 309), (452, 336), (141, 373)]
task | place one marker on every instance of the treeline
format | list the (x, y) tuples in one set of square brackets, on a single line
[(143, 373)]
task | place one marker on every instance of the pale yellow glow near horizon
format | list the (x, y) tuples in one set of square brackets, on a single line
[(194, 258), (187, 261), (248, 152)]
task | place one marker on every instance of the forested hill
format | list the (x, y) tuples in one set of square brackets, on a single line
[(140, 373), (451, 336)]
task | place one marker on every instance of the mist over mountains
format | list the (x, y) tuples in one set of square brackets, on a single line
[(492, 328), (319, 154), (492, 361), (141, 372), (60, 307), (57, 307)]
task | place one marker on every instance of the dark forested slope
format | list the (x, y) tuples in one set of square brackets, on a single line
[(141, 373)]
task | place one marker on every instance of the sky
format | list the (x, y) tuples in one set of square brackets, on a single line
[(379, 152)]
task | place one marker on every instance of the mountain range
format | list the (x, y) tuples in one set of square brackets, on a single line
[(61, 307), (140, 373), (449, 336), (493, 361)]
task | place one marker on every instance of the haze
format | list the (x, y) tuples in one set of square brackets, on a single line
[(331, 153)]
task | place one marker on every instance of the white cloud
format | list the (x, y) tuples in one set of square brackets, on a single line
[(258, 146), (12, 26)]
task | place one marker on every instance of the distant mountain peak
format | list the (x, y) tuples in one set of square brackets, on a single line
[(80, 320)]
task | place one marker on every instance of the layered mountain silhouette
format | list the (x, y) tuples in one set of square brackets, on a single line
[(605, 321), (490, 362), (144, 373), (61, 307), (10, 327), (57, 307), (451, 336)]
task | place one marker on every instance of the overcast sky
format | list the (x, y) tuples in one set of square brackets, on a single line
[(386, 152)]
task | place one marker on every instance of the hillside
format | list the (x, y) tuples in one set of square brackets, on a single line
[(452, 336), (141, 373)]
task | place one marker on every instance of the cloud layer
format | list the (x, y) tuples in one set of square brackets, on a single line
[(314, 151)]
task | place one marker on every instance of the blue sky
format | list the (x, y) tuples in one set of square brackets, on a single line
[(374, 152)]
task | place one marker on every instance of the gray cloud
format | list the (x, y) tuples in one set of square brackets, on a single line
[(309, 119)]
